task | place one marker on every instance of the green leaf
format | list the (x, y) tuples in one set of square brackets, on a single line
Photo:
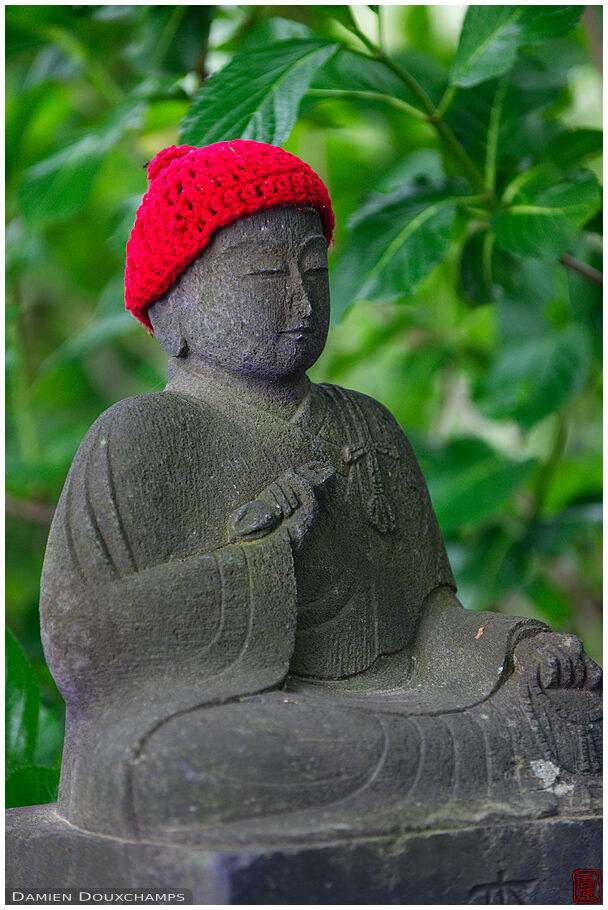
[(475, 269), (468, 481), (395, 240), (488, 565), (425, 164), (546, 216), (488, 44), (524, 129), (575, 480), (173, 38), (31, 786), (537, 376), (348, 71), (341, 14), (528, 283), (49, 740), (257, 95), (570, 147), (544, 23), (22, 706), (57, 187), (573, 523), (492, 35)]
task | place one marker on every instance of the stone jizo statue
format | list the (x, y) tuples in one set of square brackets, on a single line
[(246, 599)]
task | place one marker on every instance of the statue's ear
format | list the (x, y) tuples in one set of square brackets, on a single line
[(165, 318)]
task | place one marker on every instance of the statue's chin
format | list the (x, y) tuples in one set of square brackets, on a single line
[(291, 357)]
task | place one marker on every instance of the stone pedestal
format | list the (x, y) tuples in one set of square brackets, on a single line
[(520, 862)]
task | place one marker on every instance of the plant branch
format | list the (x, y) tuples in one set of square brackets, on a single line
[(455, 148), (434, 116), (548, 469), (40, 513), (594, 32), (168, 34), (448, 97), (493, 130), (587, 271), (21, 392), (98, 75), (354, 95), (380, 28)]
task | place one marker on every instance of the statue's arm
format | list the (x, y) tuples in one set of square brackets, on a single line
[(106, 617), (455, 647), (191, 619)]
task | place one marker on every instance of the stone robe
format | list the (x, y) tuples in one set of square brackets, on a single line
[(211, 684)]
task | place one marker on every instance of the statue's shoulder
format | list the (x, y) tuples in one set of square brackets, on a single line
[(146, 424), (153, 413)]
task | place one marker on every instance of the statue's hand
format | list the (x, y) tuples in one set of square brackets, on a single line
[(254, 519), (561, 692), (296, 494), (561, 662), (292, 499)]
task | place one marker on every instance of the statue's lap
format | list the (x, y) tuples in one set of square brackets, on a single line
[(284, 752)]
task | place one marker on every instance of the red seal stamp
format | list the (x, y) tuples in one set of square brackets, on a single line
[(587, 886)]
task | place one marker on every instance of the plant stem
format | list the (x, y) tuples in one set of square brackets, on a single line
[(470, 201), (433, 115), (380, 28), (548, 469), (347, 95), (21, 394), (493, 129), (457, 152), (32, 510), (594, 32), (98, 75), (168, 34), (487, 250), (587, 271), (448, 97)]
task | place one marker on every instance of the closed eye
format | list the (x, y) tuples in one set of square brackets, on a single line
[(317, 270)]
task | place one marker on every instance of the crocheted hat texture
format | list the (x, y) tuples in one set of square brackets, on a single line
[(195, 191)]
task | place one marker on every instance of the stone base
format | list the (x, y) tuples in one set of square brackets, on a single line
[(524, 862)]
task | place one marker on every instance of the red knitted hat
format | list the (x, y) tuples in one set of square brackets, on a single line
[(195, 191)]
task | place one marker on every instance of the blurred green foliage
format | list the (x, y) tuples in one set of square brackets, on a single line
[(463, 171)]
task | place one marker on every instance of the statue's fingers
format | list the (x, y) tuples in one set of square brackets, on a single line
[(303, 489), (565, 667), (567, 657), (299, 526), (318, 473), (572, 674), (270, 501), (283, 503), (593, 673), (579, 670), (286, 485), (549, 670)]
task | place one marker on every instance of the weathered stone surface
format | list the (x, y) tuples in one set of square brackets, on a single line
[(527, 862)]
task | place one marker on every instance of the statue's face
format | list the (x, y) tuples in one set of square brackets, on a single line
[(256, 301)]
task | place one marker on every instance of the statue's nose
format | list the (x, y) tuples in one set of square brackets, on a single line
[(300, 301)]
